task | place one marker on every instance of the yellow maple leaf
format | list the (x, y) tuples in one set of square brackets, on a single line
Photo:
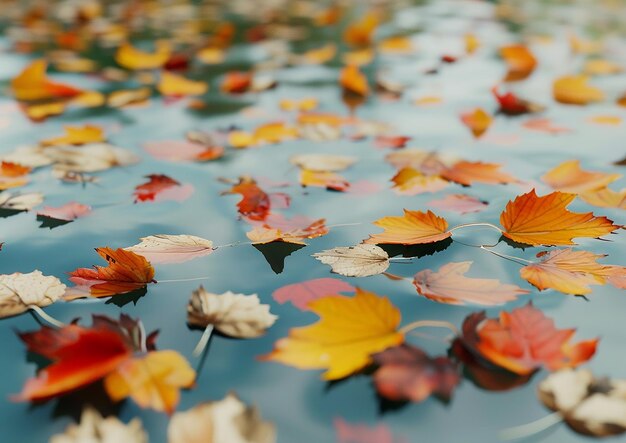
[(568, 177), (574, 90), (132, 58), (349, 331), (414, 227)]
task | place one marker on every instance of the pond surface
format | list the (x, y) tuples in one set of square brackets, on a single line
[(298, 402)]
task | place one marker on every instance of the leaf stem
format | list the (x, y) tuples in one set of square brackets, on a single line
[(231, 245), (53, 321), (204, 341), (518, 260), (429, 324), (531, 428), (467, 225), (184, 279)]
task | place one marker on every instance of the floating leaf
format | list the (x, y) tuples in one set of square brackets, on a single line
[(295, 231), (524, 340), (461, 203), (605, 198), (160, 187), (179, 86), (20, 202), (19, 291), (574, 90), (407, 373), (13, 175), (520, 61), (77, 135), (355, 261), (32, 84), (449, 285), (164, 248), (536, 221), (478, 121), (414, 227), (96, 429), (362, 433), (181, 150), (236, 315), (68, 212), (409, 181), (569, 177), (354, 81), (467, 173), (132, 58), (322, 162), (301, 294), (349, 331)]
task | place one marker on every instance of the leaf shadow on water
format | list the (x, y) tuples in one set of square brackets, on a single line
[(416, 250), (276, 252), (50, 222), (123, 299), (4, 213), (514, 244)]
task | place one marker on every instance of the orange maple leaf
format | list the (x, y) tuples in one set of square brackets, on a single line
[(466, 173), (569, 177), (477, 120), (414, 227), (536, 221), (125, 273)]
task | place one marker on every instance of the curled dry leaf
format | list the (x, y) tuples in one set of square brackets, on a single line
[(301, 294), (589, 405), (94, 428), (449, 285), (19, 291), (164, 248), (414, 227), (569, 271), (355, 261), (322, 162), (349, 331), (523, 340), (126, 272), (225, 421), (235, 315), (407, 373), (569, 177), (534, 220)]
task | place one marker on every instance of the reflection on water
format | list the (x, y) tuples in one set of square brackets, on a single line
[(563, 35)]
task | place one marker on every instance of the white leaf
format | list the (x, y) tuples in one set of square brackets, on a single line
[(20, 202), (95, 429), (163, 248), (18, 291), (236, 315), (355, 261)]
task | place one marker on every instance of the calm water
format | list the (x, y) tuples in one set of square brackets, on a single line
[(298, 402)]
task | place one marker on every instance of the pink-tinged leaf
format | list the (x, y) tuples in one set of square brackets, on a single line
[(68, 212), (163, 248), (279, 200), (460, 203), (161, 188), (303, 293), (361, 433), (182, 150), (545, 125), (364, 187)]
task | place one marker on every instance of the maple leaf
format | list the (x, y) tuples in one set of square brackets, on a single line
[(255, 202), (163, 248), (569, 177), (301, 294), (414, 227), (153, 380), (409, 181), (574, 90), (449, 285), (478, 121), (126, 272), (605, 198), (349, 331), (524, 340), (567, 271), (161, 187), (466, 173), (289, 231), (32, 84), (408, 373), (355, 261), (536, 221)]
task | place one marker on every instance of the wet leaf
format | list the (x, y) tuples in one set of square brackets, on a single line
[(414, 227), (161, 187), (535, 220), (569, 177), (355, 261), (449, 285), (236, 315), (68, 212), (164, 248), (349, 331)]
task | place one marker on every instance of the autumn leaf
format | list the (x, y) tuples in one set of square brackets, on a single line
[(126, 272), (173, 85), (545, 125), (76, 135), (520, 61), (360, 32), (355, 261), (164, 248), (605, 198), (362, 433), (132, 58), (88, 158), (20, 202), (354, 81), (227, 420), (32, 84), (569, 177), (478, 121), (322, 162), (68, 212), (97, 429), (574, 90), (407, 373), (235, 315), (449, 285), (414, 227), (467, 173), (236, 82), (182, 150), (409, 181), (534, 220), (13, 175), (123, 98), (511, 104), (349, 331), (461, 203), (301, 294), (161, 187), (567, 271), (20, 291), (289, 231), (524, 340), (328, 180)]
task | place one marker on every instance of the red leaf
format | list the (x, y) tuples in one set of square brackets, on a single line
[(161, 187)]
